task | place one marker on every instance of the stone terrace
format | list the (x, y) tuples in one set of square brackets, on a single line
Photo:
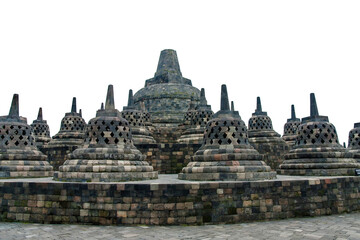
[(170, 201)]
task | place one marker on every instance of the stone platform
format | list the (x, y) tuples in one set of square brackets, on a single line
[(170, 201)]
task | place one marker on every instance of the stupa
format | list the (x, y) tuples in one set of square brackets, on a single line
[(317, 150), (70, 137), (147, 117), (167, 95), (109, 154), (140, 133), (72, 129), (226, 153), (354, 141), (19, 156), (290, 128), (41, 130), (199, 117), (264, 139), (188, 117)]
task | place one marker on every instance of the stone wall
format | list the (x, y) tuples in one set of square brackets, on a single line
[(173, 204), (273, 153), (168, 158), (57, 155)]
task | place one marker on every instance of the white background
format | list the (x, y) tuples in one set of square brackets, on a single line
[(51, 51)]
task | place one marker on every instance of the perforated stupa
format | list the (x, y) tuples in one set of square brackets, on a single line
[(72, 129), (264, 138), (41, 130), (198, 117), (109, 154), (140, 133), (290, 128), (226, 153), (317, 150), (19, 156)]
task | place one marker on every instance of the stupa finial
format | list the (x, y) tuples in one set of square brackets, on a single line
[(73, 106), (293, 115), (130, 99), (80, 113), (40, 115), (168, 61), (102, 106), (224, 104), (313, 106), (232, 106), (110, 103), (258, 110), (14, 108), (203, 100), (258, 105), (314, 113)]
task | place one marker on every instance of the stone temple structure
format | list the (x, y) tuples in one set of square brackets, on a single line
[(264, 139), (290, 128), (166, 97), (147, 117), (317, 150), (199, 117), (354, 141), (19, 156), (109, 154), (226, 153), (41, 130), (136, 121), (70, 137), (188, 117)]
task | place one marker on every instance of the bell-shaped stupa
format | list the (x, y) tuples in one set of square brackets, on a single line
[(226, 153), (317, 151), (147, 117), (19, 156), (265, 139), (72, 129), (167, 95), (290, 128), (109, 154), (140, 134), (70, 137), (354, 141), (198, 117), (41, 130)]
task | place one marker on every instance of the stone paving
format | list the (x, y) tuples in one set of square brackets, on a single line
[(345, 226)]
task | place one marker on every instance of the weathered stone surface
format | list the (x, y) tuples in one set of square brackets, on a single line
[(140, 133), (264, 139), (169, 201), (226, 153), (290, 128), (19, 156), (317, 150), (354, 141), (41, 130), (167, 95), (70, 137), (109, 154), (195, 121)]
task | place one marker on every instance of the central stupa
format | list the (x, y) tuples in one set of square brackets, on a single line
[(167, 95)]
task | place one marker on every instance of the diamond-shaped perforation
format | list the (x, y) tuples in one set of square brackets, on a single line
[(354, 139), (17, 135), (225, 132), (111, 130), (316, 133), (260, 123)]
